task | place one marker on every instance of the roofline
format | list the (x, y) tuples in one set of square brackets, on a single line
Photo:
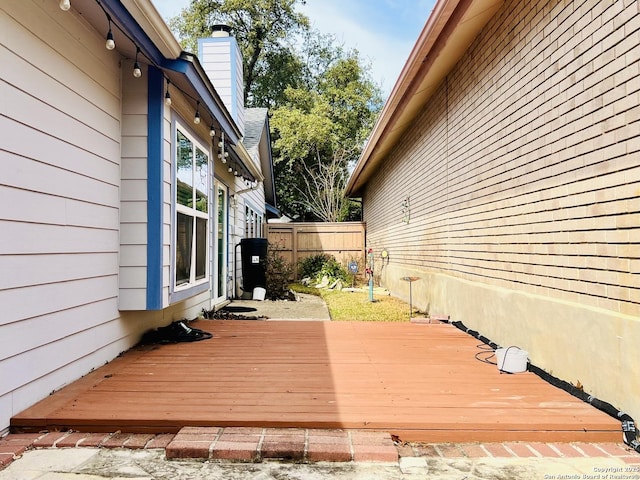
[(155, 39), (447, 34), (156, 28)]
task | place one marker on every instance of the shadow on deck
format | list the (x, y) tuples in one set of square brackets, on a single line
[(420, 382)]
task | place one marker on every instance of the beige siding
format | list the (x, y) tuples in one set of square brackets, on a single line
[(523, 184), (133, 196), (59, 193)]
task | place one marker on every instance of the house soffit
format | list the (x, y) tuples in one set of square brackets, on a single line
[(448, 33), (144, 27)]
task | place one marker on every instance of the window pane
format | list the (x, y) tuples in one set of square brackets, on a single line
[(201, 248), (184, 172), (202, 181), (184, 240)]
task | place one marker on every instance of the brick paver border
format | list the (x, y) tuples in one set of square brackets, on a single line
[(301, 445)]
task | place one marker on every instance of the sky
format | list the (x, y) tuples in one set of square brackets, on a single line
[(383, 31)]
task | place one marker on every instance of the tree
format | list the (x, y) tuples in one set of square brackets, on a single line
[(322, 99), (319, 125), (324, 187), (263, 29)]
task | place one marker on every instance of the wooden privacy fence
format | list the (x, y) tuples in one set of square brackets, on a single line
[(296, 241)]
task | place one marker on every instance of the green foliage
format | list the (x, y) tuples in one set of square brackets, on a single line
[(263, 29), (321, 96), (334, 270), (322, 265), (351, 211), (278, 273), (319, 132), (311, 265)]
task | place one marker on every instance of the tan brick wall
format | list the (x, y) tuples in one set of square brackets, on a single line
[(522, 180), (523, 172)]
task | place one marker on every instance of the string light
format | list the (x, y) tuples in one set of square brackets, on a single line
[(65, 5), (196, 119), (110, 44), (137, 72), (167, 95)]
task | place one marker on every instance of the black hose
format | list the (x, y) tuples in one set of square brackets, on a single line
[(629, 430)]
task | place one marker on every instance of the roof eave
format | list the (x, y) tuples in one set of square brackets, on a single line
[(450, 29)]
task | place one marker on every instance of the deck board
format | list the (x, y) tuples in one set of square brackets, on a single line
[(420, 382)]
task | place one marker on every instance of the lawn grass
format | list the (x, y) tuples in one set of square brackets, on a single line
[(355, 306)]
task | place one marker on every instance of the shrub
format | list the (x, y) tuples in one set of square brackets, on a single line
[(311, 266), (334, 270), (323, 265), (278, 272)]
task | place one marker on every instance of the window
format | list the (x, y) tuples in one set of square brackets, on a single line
[(253, 223), (192, 212)]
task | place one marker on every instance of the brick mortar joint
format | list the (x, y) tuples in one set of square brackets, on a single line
[(352, 451), (213, 444), (263, 434)]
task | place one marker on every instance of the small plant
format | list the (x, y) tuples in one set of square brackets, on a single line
[(323, 265), (278, 272), (311, 266), (334, 270)]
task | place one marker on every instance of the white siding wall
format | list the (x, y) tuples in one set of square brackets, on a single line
[(59, 202), (221, 59), (64, 208), (133, 214)]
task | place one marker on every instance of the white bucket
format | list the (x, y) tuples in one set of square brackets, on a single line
[(512, 359), (259, 293)]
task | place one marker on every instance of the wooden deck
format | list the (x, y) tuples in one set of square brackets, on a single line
[(420, 382)]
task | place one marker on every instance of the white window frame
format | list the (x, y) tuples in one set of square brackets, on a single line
[(253, 222), (192, 211)]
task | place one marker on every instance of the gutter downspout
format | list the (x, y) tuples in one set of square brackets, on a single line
[(235, 248)]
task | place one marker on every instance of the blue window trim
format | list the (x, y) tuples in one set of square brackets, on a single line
[(155, 138)]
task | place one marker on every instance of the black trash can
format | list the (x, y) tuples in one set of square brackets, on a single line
[(253, 252)]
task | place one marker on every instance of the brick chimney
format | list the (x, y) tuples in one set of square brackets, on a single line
[(222, 61)]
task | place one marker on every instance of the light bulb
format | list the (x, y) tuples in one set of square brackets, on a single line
[(167, 98), (196, 118), (136, 66), (212, 132), (111, 44), (230, 169), (65, 5)]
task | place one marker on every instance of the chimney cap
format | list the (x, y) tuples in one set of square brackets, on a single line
[(221, 30)]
